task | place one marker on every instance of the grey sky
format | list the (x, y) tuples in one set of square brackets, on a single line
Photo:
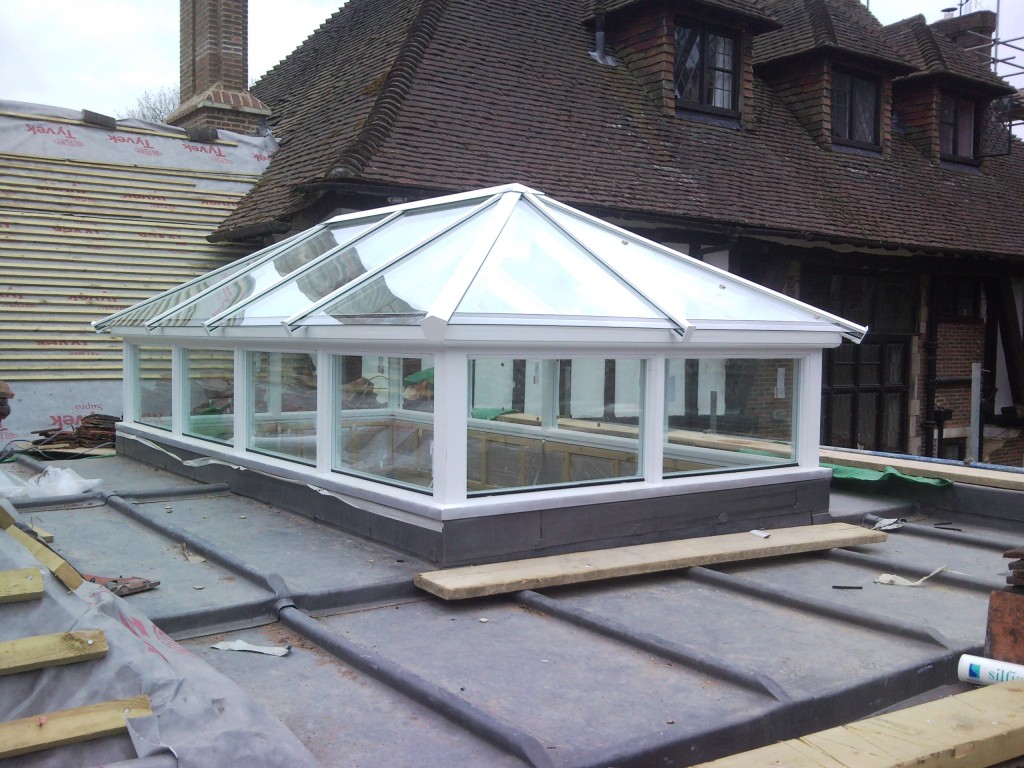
[(103, 54)]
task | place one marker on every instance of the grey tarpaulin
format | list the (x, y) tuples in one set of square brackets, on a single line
[(200, 716)]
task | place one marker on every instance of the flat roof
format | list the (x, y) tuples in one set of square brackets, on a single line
[(683, 666)]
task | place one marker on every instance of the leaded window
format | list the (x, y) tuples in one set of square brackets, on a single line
[(854, 109), (957, 135), (706, 68)]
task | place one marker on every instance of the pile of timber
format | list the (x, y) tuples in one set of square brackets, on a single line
[(1016, 577), (93, 431)]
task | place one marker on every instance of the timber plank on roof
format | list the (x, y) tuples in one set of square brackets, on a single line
[(41, 651), (977, 729), (577, 567), (69, 726)]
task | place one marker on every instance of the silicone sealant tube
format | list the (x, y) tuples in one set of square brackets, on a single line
[(982, 671)]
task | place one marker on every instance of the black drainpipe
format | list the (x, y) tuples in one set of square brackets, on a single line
[(931, 349)]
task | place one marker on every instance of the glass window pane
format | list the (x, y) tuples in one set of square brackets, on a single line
[(534, 269), (153, 391), (266, 274), (947, 125), (687, 291), (210, 377), (283, 413), (596, 439), (340, 268), (842, 421), (721, 66), (870, 373), (965, 129), (841, 88), (867, 421), (384, 407), (404, 292), (895, 367), (741, 418), (892, 423), (865, 110), (688, 64)]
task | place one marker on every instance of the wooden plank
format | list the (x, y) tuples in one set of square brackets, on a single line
[(69, 726), (991, 478), (57, 565), (977, 729), (41, 651), (22, 584), (575, 567)]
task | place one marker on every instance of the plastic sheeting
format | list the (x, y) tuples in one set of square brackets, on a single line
[(200, 717)]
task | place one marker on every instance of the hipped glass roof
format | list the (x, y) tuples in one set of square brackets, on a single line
[(507, 255)]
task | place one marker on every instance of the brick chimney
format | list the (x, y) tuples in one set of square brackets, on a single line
[(215, 69), (972, 31)]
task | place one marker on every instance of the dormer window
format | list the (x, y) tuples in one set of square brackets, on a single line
[(706, 69), (957, 128), (855, 107)]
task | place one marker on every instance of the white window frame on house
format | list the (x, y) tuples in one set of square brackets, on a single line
[(849, 97)]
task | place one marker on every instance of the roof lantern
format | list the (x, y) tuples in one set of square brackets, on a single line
[(468, 361)]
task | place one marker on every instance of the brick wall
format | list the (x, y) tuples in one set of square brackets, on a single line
[(805, 90), (645, 41), (917, 104)]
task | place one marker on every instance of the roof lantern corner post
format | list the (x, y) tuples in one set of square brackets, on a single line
[(242, 400), (130, 379), (451, 430), (179, 388), (328, 419), (807, 432), (653, 409)]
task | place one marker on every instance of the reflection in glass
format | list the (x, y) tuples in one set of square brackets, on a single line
[(282, 388), (210, 377), (544, 422), (153, 392), (385, 414), (342, 267), (728, 413)]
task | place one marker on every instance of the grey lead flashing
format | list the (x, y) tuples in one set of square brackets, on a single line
[(436, 698), (808, 604), (674, 651)]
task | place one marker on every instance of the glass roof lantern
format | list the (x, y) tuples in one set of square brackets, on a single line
[(489, 353)]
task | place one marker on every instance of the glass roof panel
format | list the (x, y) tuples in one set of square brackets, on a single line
[(144, 312), (534, 269), (266, 274), (404, 291), (337, 270), (680, 286)]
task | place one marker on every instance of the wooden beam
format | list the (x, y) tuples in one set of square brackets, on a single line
[(991, 478), (40, 651), (57, 565), (69, 726), (576, 567), (977, 729), (23, 584)]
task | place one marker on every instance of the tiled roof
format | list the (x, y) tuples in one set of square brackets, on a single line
[(935, 54), (754, 12), (843, 26), (499, 97)]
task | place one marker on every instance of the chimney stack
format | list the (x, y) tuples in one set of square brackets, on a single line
[(972, 32), (215, 69)]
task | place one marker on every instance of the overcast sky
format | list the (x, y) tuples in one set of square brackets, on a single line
[(102, 55)]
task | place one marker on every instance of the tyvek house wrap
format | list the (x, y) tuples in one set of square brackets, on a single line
[(201, 718)]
